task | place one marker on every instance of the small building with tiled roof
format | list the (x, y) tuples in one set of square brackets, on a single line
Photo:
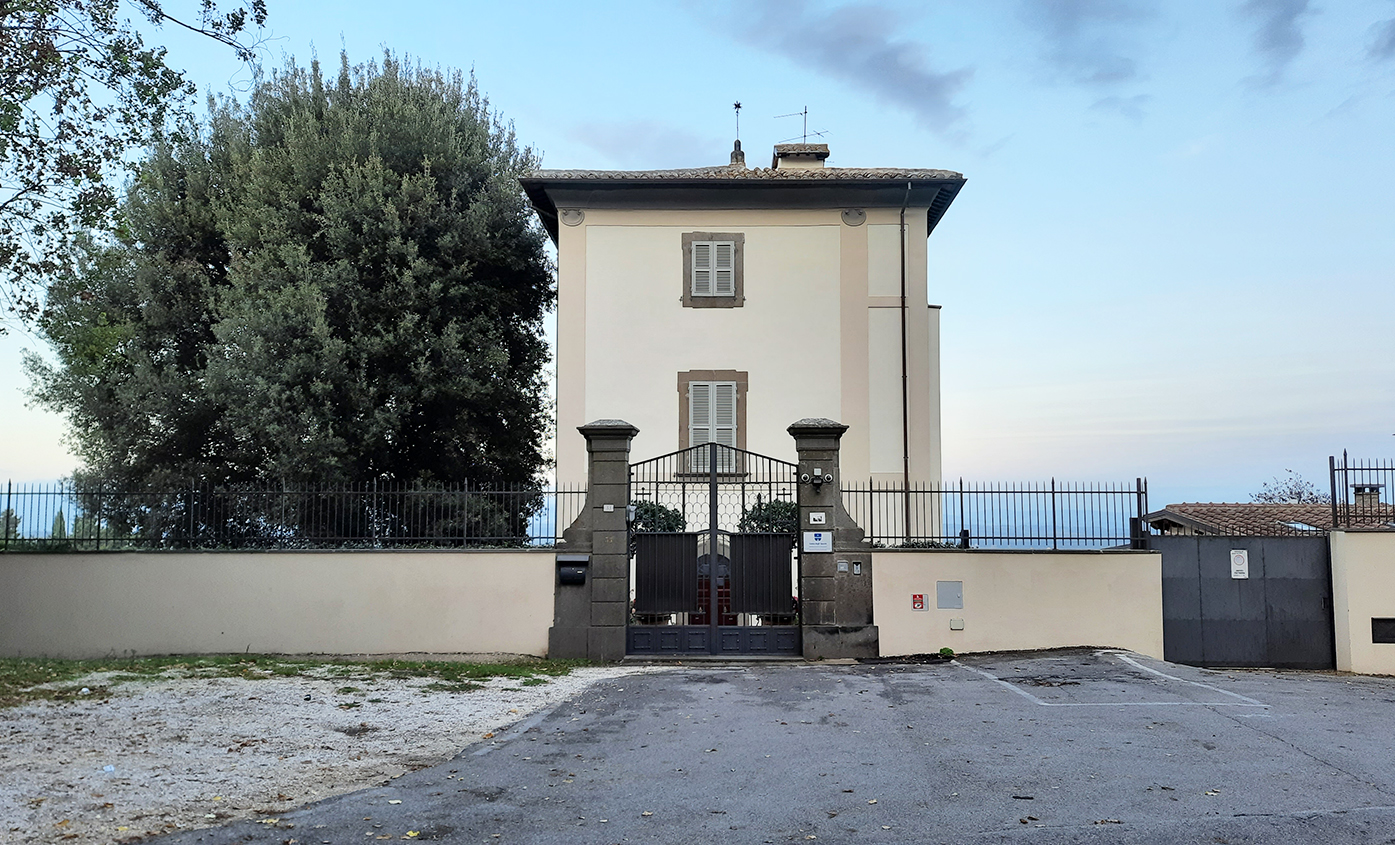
[(1264, 519), (1241, 519), (720, 304)]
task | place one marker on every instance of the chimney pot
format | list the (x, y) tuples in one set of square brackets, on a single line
[(738, 158), (1366, 496)]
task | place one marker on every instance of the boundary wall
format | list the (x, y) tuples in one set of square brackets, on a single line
[(101, 604), (1015, 600), (1363, 589)]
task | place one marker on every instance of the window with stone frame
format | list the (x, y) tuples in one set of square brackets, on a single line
[(713, 272), (712, 410)]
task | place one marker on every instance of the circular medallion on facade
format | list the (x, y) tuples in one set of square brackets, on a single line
[(854, 216), (574, 216)]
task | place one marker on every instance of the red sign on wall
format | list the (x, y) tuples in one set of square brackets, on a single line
[(917, 601)]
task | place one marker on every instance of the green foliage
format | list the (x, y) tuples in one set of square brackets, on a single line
[(339, 281), (946, 652), (653, 517), (9, 524), (927, 544), (776, 516), (79, 88), (59, 531), (41, 679)]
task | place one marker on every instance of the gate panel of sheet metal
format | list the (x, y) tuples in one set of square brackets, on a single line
[(666, 573), (715, 570), (761, 579), (1280, 616)]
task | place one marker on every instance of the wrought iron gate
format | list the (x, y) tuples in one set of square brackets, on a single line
[(713, 563)]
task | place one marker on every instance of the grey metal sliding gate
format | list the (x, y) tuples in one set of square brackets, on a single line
[(713, 558)]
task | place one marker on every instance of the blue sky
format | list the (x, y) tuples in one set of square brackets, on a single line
[(1173, 257)]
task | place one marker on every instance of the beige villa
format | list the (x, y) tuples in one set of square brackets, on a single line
[(720, 304)]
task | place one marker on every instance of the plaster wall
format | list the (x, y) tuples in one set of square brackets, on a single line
[(810, 333), (1019, 600), (1363, 588), (332, 602)]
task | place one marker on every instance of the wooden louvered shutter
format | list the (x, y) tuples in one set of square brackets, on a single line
[(702, 268), (723, 268), (724, 413), (712, 419), (699, 413)]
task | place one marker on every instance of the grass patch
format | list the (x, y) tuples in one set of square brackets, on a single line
[(23, 680)]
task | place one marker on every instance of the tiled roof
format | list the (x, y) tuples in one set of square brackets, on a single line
[(802, 148), (1264, 520), (752, 174)]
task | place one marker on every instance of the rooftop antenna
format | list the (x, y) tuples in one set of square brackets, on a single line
[(804, 136), (737, 106), (804, 114)]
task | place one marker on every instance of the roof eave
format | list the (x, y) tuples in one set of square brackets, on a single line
[(539, 189)]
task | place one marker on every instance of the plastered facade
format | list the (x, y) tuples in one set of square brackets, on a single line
[(1019, 600), (818, 332), (331, 602), (1363, 588)]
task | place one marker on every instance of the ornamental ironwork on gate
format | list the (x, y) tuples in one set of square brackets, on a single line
[(713, 560)]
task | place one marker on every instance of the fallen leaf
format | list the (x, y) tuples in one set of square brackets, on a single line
[(647, 813), (394, 800), (63, 823), (489, 735), (886, 827), (871, 800), (1108, 821), (413, 833)]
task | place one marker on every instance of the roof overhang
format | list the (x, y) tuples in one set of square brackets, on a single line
[(549, 193), (1163, 518)]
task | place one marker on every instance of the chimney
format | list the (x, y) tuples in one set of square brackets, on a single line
[(738, 158), (1366, 497), (799, 156)]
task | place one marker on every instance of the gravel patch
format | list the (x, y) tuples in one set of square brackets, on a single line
[(174, 754)]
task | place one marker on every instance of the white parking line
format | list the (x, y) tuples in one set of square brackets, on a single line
[(1243, 700), (1129, 660)]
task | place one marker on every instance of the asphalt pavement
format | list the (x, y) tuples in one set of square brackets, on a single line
[(1050, 747)]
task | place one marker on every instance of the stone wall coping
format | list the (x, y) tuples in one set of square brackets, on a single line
[(534, 550), (900, 550), (613, 428)]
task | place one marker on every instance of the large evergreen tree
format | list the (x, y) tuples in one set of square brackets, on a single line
[(340, 281), (78, 88)]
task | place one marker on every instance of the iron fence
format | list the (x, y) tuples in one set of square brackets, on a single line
[(62, 517), (1049, 515), (1360, 492)]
